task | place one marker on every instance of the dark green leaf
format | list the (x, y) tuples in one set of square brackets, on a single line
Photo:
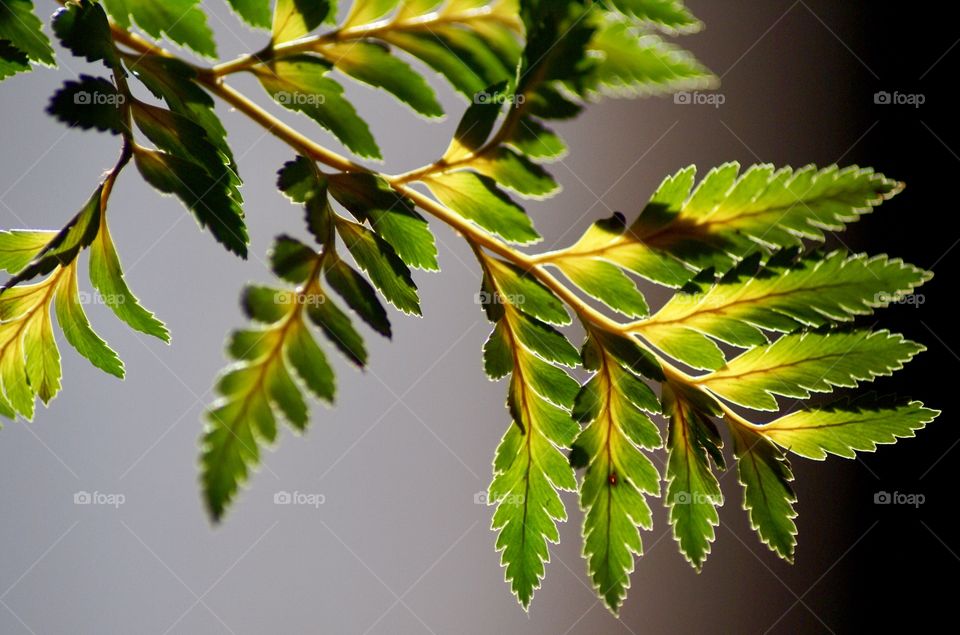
[(24, 31), (83, 29), (337, 327), (208, 198), (310, 364), (93, 102), (475, 126), (180, 20), (291, 260), (12, 61), (516, 172), (299, 83), (767, 495), (378, 260), (172, 80), (254, 12), (373, 64), (693, 492), (369, 198), (358, 294), (67, 244), (521, 290)]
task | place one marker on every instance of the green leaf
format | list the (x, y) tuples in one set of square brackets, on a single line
[(310, 364), (339, 330), (209, 199), (544, 340), (414, 8), (29, 358), (293, 19), (106, 275), (729, 217), (262, 386), (358, 294), (256, 13), (83, 29), (516, 172), (692, 348), (812, 292), (43, 356), (19, 246), (619, 476), (498, 353), (19, 396), (292, 260), (846, 428), (299, 83), (767, 495), (670, 15), (374, 65), (475, 125), (76, 328), (24, 31), (530, 138), (178, 135), (378, 260), (693, 492), (173, 81), (606, 282), (302, 182), (626, 350), (516, 288), (454, 54), (366, 11), (529, 466), (182, 21), (556, 52), (371, 199), (266, 305), (93, 102), (64, 247), (639, 65), (478, 199), (797, 365), (609, 240), (12, 61), (528, 470)]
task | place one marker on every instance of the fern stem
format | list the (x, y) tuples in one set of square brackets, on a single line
[(475, 236), (315, 43)]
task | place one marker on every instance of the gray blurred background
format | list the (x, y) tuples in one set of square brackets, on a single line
[(399, 545)]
